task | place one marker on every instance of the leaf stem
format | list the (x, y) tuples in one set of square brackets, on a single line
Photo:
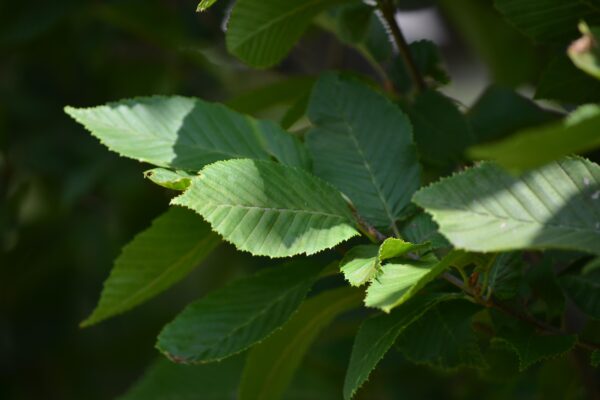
[(388, 14)]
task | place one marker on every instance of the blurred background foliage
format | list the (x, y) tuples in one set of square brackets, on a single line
[(67, 205)]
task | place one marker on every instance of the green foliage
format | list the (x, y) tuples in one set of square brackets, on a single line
[(360, 264), (584, 290), (269, 209), (237, 316), (562, 81), (156, 259), (175, 180), (585, 52)]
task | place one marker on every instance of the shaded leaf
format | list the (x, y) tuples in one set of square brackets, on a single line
[(543, 282), (356, 131), (235, 317), (269, 209), (584, 290), (153, 261), (595, 358), (505, 275), (271, 365), (562, 81), (422, 229), (487, 209), (428, 60), (186, 133), (175, 180)]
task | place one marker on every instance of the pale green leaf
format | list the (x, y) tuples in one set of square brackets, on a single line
[(536, 146), (175, 180), (359, 265), (269, 209), (165, 380), (393, 247), (584, 290), (271, 365), (362, 144), (585, 51), (153, 261), (205, 4), (186, 133), (443, 337), (262, 32), (400, 280), (235, 317), (377, 335), (486, 209)]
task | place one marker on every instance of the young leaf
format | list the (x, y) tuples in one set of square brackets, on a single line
[(585, 51), (166, 380), (532, 347), (400, 280), (530, 148), (155, 260), (486, 209), (562, 81), (488, 119), (360, 264), (186, 133), (584, 290), (271, 365), (269, 209), (175, 180), (441, 130), (262, 32), (377, 334), (548, 20), (443, 337), (205, 4), (393, 247), (362, 144), (238, 315)]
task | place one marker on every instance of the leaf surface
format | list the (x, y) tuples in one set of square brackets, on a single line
[(359, 264), (269, 209), (584, 290), (175, 180), (153, 261), (563, 82), (486, 209), (235, 317)]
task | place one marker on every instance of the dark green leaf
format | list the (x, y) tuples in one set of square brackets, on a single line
[(595, 358), (584, 290), (428, 60), (421, 229), (562, 81), (505, 275), (544, 285)]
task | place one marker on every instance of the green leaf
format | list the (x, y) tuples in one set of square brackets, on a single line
[(271, 365), (262, 32), (175, 180), (235, 317), (165, 380), (186, 133), (441, 130), (563, 82), (269, 209), (205, 4), (153, 261), (548, 20), (486, 209), (401, 279), (422, 229), (377, 334), (532, 347), (443, 337), (360, 264), (488, 115), (428, 60), (595, 358), (362, 144), (532, 147), (584, 290), (543, 282), (585, 51), (505, 275)]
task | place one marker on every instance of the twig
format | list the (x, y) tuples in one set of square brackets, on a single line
[(369, 230)]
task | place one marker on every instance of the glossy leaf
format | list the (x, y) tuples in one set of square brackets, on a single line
[(235, 317), (270, 365), (356, 131), (487, 209), (269, 209), (153, 261)]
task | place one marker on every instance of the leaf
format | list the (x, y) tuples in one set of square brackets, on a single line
[(153, 261), (543, 282), (486, 209), (186, 133), (235, 317), (532, 347), (536, 146), (505, 275), (422, 229), (205, 5), (428, 61), (441, 130), (443, 337), (360, 264), (362, 144), (488, 119), (271, 365), (377, 334), (400, 280), (166, 380), (585, 51), (584, 290), (175, 180), (262, 32), (548, 20), (562, 81), (269, 209)]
